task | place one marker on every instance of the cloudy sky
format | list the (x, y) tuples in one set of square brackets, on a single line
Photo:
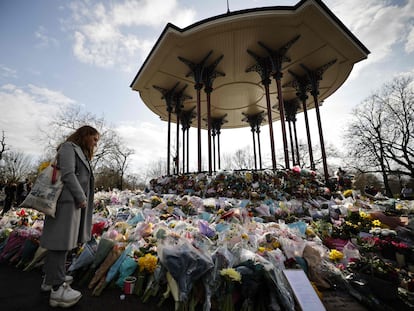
[(56, 53)]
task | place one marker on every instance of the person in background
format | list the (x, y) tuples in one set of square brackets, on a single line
[(72, 224), (22, 191), (10, 197), (406, 193), (340, 175)]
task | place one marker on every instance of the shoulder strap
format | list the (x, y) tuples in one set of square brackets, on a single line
[(55, 170)]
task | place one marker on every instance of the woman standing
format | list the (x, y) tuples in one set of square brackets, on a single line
[(73, 220)]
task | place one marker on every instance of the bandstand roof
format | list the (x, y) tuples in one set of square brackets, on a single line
[(322, 38)]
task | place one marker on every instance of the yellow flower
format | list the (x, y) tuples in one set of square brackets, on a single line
[(244, 236), (376, 223), (231, 274), (147, 262), (401, 206), (155, 200), (335, 255), (276, 244), (347, 193), (43, 165), (318, 292), (261, 249), (309, 231), (364, 215)]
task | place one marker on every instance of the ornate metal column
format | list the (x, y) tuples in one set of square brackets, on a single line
[(255, 121), (301, 84), (277, 58), (258, 144), (209, 74), (186, 121), (168, 95), (179, 99), (291, 108), (216, 124), (263, 68), (314, 77), (213, 135), (196, 71)]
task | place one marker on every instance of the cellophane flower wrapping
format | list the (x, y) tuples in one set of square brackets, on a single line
[(185, 263), (105, 245), (222, 259), (275, 273), (123, 267), (14, 243), (98, 281), (85, 257), (155, 282), (229, 278)]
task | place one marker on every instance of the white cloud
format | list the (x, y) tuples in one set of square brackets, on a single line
[(25, 112), (44, 40), (7, 73), (148, 140), (409, 46), (379, 24), (114, 36)]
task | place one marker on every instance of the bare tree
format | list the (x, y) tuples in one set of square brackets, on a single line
[(334, 156), (241, 159), (3, 150), (70, 119), (156, 169), (120, 160), (3, 145), (111, 152), (18, 166), (398, 99), (380, 138)]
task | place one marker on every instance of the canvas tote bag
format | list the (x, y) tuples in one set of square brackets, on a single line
[(45, 191)]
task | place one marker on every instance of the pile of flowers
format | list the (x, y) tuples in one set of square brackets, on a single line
[(228, 252), (243, 184)]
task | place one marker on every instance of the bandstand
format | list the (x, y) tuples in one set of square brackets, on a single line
[(248, 68)]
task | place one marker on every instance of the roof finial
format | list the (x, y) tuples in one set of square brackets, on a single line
[(228, 9)]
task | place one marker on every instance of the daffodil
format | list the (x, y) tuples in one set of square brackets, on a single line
[(376, 223), (231, 274), (335, 255), (42, 166), (148, 262)]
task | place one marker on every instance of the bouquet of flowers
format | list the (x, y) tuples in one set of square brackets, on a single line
[(184, 262), (230, 277), (147, 264), (141, 260)]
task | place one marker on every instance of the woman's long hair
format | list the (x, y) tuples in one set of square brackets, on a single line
[(80, 137)]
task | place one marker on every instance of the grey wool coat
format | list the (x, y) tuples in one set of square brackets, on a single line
[(71, 225)]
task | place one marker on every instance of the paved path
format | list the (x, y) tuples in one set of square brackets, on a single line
[(20, 291)]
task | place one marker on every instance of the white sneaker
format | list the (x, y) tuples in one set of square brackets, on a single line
[(46, 287), (64, 296)]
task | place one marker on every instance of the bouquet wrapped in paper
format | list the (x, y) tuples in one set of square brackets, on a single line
[(184, 262)]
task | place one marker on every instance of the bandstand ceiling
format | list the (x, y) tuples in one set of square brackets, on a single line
[(322, 39)]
